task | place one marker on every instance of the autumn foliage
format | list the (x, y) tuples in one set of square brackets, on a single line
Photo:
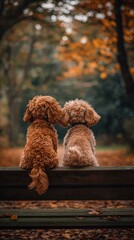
[(68, 50)]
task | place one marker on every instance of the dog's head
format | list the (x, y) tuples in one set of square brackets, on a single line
[(44, 107), (79, 111)]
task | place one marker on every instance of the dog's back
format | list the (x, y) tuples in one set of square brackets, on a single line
[(41, 144), (79, 145)]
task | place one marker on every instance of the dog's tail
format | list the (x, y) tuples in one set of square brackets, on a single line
[(40, 180), (74, 155)]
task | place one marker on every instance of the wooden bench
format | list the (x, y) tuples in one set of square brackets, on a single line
[(94, 183)]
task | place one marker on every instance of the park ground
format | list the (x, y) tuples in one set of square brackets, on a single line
[(107, 156)]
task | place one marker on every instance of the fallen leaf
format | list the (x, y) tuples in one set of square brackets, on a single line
[(66, 235), (112, 218), (97, 211), (13, 217), (80, 218)]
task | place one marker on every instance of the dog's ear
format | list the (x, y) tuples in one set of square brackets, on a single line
[(31, 106), (28, 115), (91, 117), (55, 114), (65, 118), (51, 115)]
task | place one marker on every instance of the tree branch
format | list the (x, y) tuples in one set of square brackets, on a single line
[(122, 55), (1, 7), (12, 17)]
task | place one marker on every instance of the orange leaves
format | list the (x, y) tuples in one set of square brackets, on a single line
[(129, 35), (132, 70), (101, 68), (103, 75), (92, 48), (83, 59), (77, 52), (105, 48), (108, 24), (93, 65), (97, 42), (73, 71)]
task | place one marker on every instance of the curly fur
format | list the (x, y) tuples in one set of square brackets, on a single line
[(40, 151), (79, 142)]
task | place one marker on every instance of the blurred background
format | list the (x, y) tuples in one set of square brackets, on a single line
[(68, 49)]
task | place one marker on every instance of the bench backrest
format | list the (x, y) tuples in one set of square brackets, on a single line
[(91, 183)]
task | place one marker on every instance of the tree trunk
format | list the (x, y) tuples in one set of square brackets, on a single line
[(13, 126), (14, 92), (13, 96), (121, 54)]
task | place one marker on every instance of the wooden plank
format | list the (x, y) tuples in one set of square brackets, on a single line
[(66, 212), (47, 223), (73, 219), (72, 176), (93, 193), (104, 183)]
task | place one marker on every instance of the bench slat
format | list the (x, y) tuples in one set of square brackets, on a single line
[(93, 193), (67, 218), (88, 176), (67, 212), (91, 183)]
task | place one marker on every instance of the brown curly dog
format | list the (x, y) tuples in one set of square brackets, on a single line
[(79, 142), (40, 151)]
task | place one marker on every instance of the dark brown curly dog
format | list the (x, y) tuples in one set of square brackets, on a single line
[(40, 151)]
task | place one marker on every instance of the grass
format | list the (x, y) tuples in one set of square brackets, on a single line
[(111, 147)]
